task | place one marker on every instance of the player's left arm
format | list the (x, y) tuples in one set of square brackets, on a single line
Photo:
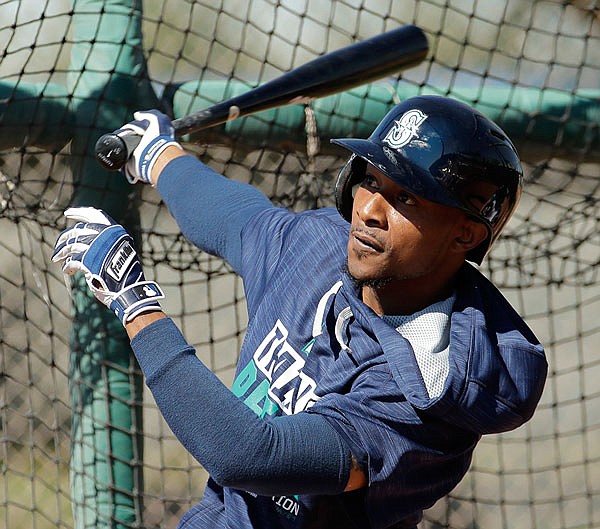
[(356, 476), (211, 210)]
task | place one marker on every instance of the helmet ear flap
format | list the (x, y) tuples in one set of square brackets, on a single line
[(351, 174)]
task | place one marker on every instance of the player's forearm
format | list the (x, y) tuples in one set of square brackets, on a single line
[(286, 455), (211, 210)]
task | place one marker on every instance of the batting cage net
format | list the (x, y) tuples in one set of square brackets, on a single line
[(81, 442)]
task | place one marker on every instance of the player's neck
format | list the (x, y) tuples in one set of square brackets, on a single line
[(406, 297)]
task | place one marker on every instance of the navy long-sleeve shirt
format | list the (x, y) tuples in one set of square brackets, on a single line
[(321, 376)]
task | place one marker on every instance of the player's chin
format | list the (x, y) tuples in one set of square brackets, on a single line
[(367, 269)]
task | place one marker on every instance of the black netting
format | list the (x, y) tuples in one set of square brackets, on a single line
[(57, 96)]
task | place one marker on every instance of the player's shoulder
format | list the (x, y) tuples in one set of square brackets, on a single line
[(326, 216), (325, 220), (279, 230)]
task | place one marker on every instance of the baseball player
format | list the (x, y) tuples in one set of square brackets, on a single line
[(376, 354)]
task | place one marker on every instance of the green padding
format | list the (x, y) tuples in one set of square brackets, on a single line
[(108, 81), (549, 118), (34, 115), (105, 395), (544, 119)]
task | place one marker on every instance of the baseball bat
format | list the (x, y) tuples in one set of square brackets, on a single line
[(334, 72)]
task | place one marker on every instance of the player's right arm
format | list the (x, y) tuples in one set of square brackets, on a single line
[(211, 210)]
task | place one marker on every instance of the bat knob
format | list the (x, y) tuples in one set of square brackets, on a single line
[(112, 150)]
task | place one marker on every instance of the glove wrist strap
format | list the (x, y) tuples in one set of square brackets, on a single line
[(151, 154), (137, 299)]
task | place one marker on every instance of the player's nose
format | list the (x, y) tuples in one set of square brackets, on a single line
[(372, 208)]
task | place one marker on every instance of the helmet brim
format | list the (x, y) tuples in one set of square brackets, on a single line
[(406, 174)]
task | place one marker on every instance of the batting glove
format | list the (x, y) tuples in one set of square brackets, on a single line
[(157, 133), (100, 248)]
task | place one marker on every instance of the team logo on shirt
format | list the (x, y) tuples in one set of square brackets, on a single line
[(273, 380), (405, 128)]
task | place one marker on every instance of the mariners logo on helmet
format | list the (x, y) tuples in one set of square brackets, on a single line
[(405, 128)]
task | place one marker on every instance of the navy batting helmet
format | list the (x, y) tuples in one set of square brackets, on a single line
[(443, 151)]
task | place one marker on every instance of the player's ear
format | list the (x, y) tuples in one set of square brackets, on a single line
[(471, 234)]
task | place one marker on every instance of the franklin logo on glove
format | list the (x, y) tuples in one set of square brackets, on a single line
[(121, 261)]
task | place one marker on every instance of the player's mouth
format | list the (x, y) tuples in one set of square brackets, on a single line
[(365, 241)]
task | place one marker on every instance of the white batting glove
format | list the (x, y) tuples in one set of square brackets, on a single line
[(100, 248), (157, 133)]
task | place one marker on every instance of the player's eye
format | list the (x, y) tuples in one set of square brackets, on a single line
[(399, 196), (370, 181), (405, 198)]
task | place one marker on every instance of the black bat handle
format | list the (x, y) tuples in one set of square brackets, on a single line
[(333, 72), (113, 150)]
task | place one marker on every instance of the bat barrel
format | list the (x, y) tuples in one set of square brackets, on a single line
[(334, 72)]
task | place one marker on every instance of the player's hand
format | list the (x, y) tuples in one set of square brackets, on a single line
[(100, 248), (157, 133)]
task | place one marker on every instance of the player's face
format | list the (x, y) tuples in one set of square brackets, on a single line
[(396, 235)]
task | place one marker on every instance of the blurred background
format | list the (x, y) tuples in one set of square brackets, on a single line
[(81, 441)]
